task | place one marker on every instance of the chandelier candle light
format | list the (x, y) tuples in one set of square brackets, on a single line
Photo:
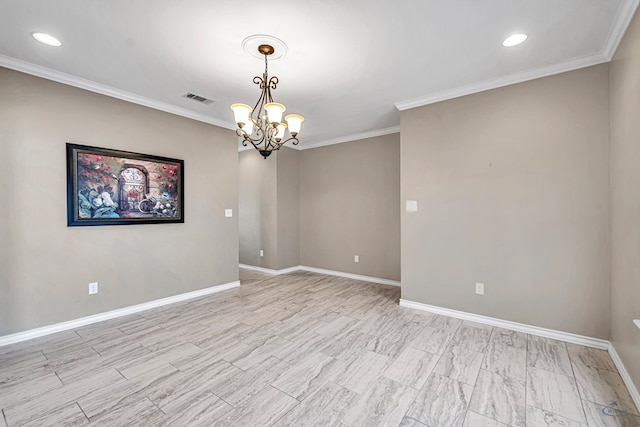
[(263, 126)]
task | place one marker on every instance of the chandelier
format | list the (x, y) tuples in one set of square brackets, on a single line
[(263, 126)]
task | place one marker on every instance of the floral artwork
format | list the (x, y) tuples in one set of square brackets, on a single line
[(109, 187)]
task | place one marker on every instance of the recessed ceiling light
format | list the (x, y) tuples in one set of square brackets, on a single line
[(514, 40), (46, 39)]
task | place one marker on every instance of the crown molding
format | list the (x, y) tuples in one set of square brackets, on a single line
[(349, 138), (523, 76), (622, 20), (70, 80), (340, 140)]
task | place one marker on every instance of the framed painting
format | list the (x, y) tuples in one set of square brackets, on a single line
[(112, 187)]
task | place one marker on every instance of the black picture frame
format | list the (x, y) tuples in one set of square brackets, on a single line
[(115, 187)]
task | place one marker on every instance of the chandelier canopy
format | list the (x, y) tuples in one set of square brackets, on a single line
[(263, 126)]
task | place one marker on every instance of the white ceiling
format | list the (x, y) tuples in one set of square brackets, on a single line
[(350, 66)]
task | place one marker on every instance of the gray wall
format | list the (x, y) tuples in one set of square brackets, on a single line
[(625, 199), (288, 181), (44, 265), (349, 196), (269, 208), (257, 209), (513, 191)]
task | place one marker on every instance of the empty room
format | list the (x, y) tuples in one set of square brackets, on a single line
[(338, 213)]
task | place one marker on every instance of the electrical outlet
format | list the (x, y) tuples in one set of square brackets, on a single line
[(480, 288), (637, 322), (356, 258), (261, 252), (93, 288)]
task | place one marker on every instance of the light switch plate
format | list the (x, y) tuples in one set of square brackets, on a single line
[(412, 206), (228, 213)]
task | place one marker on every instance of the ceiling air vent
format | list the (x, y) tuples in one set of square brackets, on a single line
[(198, 98)]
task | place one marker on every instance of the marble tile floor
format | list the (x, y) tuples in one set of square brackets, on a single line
[(304, 349)]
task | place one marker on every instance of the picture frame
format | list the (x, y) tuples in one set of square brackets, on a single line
[(115, 187)]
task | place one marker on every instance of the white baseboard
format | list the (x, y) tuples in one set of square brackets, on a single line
[(351, 276), (76, 323), (323, 271), (507, 324), (270, 271), (535, 330), (633, 390)]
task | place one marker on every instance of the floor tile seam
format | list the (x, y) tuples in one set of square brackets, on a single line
[(475, 389), (424, 351), (154, 404), (243, 401), (552, 372), (82, 410), (584, 411), (418, 421), (595, 368), (119, 399), (286, 412), (403, 385), (475, 381), (63, 350), (31, 417), (509, 377), (564, 375), (59, 379), (20, 373), (118, 405), (282, 391), (583, 422)]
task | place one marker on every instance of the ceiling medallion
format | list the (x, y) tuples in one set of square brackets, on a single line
[(263, 126)]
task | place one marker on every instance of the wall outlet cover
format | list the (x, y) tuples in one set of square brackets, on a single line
[(356, 258), (228, 213), (480, 288), (93, 288)]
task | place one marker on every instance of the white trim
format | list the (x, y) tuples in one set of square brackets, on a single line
[(323, 271), (633, 390), (620, 24), (270, 271), (351, 276), (339, 140), (72, 324), (523, 76), (349, 138), (70, 80), (507, 324)]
